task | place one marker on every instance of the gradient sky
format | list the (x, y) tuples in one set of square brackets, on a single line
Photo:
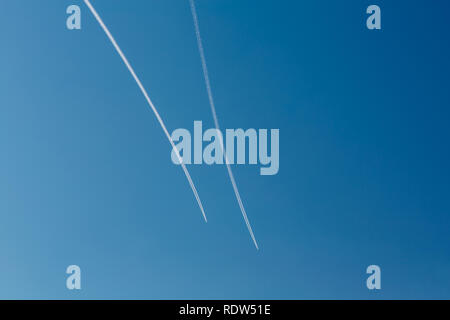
[(86, 176)]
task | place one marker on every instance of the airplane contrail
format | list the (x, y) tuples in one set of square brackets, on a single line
[(216, 121), (144, 92)]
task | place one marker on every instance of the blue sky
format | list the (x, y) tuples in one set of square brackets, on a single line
[(86, 176)]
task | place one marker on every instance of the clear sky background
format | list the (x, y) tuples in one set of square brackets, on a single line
[(86, 176)]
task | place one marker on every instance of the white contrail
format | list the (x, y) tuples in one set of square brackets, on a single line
[(216, 121), (144, 92)]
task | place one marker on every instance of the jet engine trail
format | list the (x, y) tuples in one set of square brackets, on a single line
[(216, 121), (150, 103)]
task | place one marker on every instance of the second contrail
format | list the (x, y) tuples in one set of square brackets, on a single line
[(150, 103), (216, 121)]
